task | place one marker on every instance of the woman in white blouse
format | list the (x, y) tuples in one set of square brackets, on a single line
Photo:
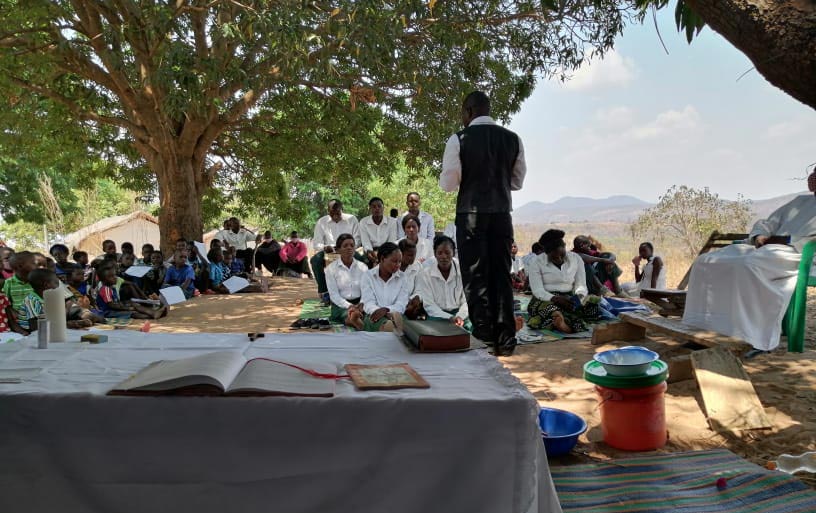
[(440, 286), (343, 277), (558, 282), (385, 291), (411, 226)]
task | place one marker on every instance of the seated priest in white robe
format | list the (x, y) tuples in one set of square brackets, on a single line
[(743, 290)]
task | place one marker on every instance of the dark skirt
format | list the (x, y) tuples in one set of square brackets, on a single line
[(338, 315), (541, 314)]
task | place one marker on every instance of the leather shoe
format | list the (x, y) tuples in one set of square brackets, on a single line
[(505, 348)]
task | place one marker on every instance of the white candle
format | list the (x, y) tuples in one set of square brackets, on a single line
[(55, 313)]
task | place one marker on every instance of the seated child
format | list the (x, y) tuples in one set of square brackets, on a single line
[(201, 269), (17, 288), (5, 256), (78, 287), (110, 305), (180, 275), (236, 265), (147, 249), (60, 254), (40, 261), (42, 280), (81, 258), (127, 249), (8, 317), (153, 280), (218, 271)]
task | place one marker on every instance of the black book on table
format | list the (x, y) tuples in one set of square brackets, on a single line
[(435, 336)]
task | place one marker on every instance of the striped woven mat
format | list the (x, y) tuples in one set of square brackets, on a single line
[(680, 483)]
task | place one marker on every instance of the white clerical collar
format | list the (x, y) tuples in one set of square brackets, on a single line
[(482, 120)]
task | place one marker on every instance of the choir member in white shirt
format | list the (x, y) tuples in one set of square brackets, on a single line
[(440, 286), (343, 278), (375, 230), (327, 230), (413, 201), (558, 282), (410, 269), (412, 226), (385, 291)]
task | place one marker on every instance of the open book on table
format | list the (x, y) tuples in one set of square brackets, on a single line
[(230, 373)]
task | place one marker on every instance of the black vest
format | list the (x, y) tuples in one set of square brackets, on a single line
[(488, 154)]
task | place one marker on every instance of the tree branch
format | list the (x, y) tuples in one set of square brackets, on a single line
[(80, 112)]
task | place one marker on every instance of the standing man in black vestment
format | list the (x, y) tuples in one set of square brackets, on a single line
[(485, 162)]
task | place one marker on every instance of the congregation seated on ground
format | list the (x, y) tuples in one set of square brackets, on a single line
[(267, 253), (558, 281), (653, 274), (583, 247), (376, 230), (412, 228), (294, 257), (235, 236), (517, 274), (426, 220), (343, 279), (744, 290), (384, 291), (327, 230)]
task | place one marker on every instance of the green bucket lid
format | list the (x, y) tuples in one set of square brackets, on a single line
[(595, 373)]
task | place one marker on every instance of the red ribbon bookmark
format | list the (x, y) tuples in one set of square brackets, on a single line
[(310, 372)]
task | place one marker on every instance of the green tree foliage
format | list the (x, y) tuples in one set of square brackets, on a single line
[(258, 98), (687, 216), (441, 205)]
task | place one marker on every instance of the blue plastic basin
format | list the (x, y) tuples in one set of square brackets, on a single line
[(560, 430)]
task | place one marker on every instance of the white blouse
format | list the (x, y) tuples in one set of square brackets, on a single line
[(344, 282), (546, 278), (376, 293), (439, 294)]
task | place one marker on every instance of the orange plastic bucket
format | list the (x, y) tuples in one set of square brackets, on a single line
[(633, 419)]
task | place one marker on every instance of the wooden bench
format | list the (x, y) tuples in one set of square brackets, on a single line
[(633, 327), (671, 302)]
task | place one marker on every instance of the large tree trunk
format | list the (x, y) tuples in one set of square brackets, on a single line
[(779, 36), (180, 200)]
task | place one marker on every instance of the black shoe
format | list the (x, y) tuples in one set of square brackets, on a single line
[(505, 348)]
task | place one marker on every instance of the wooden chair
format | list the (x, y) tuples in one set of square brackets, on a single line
[(793, 325)]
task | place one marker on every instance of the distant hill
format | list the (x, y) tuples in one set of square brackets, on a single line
[(576, 209), (614, 209), (763, 208)]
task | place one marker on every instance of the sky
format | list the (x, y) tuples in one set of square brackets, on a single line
[(639, 121)]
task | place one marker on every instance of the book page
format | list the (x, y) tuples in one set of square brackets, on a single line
[(202, 251), (172, 295), (235, 284), (217, 369), (138, 271), (264, 377)]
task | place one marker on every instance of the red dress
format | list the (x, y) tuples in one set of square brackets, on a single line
[(4, 321)]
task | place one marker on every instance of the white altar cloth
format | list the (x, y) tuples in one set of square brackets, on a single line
[(470, 443)]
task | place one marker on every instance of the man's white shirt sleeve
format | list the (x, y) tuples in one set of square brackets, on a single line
[(451, 175)]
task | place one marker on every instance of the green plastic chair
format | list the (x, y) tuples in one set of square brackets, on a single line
[(793, 325)]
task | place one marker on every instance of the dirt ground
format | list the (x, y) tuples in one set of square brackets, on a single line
[(785, 382)]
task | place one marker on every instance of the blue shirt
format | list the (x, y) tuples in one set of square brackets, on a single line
[(177, 277), (237, 266), (218, 273)]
